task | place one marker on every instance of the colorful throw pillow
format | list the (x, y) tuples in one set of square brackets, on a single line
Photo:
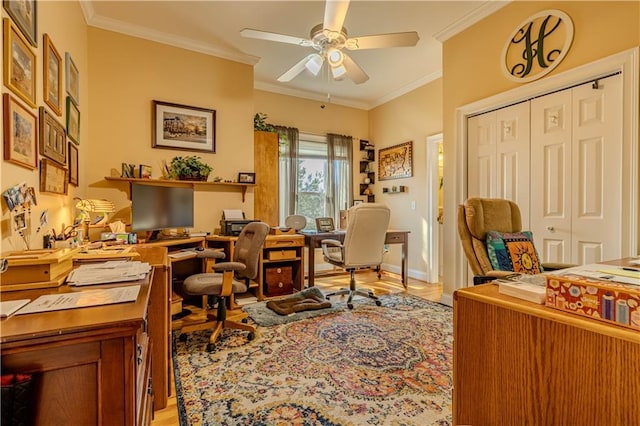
[(513, 252)]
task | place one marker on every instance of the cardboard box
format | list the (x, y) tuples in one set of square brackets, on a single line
[(602, 300)]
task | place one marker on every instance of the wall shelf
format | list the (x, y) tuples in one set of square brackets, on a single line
[(368, 156), (397, 190), (197, 185)]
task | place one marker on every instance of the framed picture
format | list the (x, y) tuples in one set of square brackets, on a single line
[(53, 177), (183, 127), (20, 133), (357, 202), (53, 138), (72, 78), (324, 224), (24, 14), (145, 171), (73, 121), (19, 64), (246, 177), (73, 164), (395, 161), (52, 76)]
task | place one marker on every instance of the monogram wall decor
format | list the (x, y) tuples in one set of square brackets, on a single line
[(537, 46)]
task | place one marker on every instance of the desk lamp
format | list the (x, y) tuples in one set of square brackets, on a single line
[(88, 206)]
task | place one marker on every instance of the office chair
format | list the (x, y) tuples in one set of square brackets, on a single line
[(230, 278), (478, 216), (363, 246)]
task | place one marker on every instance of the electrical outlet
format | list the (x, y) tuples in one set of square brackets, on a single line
[(413, 204)]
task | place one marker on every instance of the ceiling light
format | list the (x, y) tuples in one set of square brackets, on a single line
[(335, 57), (314, 64), (338, 72)]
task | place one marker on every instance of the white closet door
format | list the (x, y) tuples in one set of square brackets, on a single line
[(551, 176), (597, 171), (481, 155)]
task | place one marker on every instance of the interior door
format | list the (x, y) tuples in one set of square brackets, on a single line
[(482, 155)]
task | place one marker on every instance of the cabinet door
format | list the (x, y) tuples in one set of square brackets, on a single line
[(265, 203)]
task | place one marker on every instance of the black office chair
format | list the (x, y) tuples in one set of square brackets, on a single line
[(231, 278), (363, 246)]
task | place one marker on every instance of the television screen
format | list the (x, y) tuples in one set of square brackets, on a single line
[(160, 207)]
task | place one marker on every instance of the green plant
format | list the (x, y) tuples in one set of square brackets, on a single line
[(260, 123), (189, 168)]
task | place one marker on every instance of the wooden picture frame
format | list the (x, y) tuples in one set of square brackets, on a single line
[(53, 137), (396, 161), (324, 224), (25, 14), (357, 202), (52, 76), (20, 133), (19, 64), (183, 127), (53, 177), (246, 177), (144, 171), (72, 78), (73, 121), (73, 164)]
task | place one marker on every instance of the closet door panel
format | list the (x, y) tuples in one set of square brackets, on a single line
[(481, 156), (551, 176)]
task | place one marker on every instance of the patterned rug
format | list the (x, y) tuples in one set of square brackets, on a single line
[(388, 365)]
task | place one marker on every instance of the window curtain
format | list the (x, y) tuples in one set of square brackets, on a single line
[(340, 182), (289, 153)]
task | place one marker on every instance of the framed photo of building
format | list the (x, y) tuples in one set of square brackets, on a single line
[(73, 121), (24, 14), (52, 76), (72, 78), (20, 133), (73, 164), (53, 177), (19, 64), (183, 127), (53, 138), (395, 161)]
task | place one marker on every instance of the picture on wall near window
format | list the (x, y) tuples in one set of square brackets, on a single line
[(246, 177), (53, 137), (19, 64), (53, 177), (20, 133), (395, 161), (72, 78), (357, 202), (183, 127), (52, 76), (73, 164), (73, 121), (145, 171), (24, 14)]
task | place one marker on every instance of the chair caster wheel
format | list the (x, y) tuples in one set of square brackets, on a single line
[(183, 337), (244, 320), (350, 305), (378, 303), (327, 297), (210, 347), (251, 336)]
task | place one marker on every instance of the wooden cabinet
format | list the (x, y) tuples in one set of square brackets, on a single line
[(266, 165), (518, 363), (92, 365), (367, 157)]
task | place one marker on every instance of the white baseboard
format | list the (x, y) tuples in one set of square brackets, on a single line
[(447, 299)]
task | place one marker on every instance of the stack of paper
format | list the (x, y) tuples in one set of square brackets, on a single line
[(108, 272), (522, 290)]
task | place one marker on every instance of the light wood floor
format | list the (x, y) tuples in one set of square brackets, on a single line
[(387, 284)]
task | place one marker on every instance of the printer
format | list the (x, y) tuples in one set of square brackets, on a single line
[(233, 221)]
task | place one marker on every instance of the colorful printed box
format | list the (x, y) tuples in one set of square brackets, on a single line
[(601, 300)]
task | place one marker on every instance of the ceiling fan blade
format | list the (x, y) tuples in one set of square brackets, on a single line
[(334, 13), (297, 68), (355, 73), (377, 41), (282, 38)]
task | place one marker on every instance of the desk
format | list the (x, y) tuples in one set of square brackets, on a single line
[(314, 240)]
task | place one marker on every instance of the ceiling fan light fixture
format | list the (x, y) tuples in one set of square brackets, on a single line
[(314, 64), (335, 57), (338, 72)]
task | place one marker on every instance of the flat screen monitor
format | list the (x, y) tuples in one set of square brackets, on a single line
[(155, 208)]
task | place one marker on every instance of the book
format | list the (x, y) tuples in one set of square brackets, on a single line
[(521, 290), (9, 307)]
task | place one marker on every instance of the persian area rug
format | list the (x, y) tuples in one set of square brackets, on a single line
[(387, 365)]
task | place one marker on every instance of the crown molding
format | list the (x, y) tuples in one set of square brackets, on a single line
[(169, 39), (486, 9), (268, 87), (406, 89)]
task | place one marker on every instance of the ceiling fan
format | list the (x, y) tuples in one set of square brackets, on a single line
[(328, 39)]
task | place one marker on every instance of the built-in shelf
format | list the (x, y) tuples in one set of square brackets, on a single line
[(368, 156), (231, 186)]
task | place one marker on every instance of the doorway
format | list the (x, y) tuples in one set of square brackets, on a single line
[(435, 207)]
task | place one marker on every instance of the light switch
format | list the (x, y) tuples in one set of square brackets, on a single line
[(413, 204)]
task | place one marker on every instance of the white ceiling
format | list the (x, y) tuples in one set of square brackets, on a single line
[(213, 27)]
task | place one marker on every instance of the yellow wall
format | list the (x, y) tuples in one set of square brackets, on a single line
[(411, 117), (70, 37), (471, 70)]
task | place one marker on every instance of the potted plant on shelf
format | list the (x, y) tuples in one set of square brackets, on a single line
[(260, 123), (189, 168)]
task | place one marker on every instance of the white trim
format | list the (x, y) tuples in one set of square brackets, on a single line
[(447, 299), (487, 8), (625, 62), (274, 88), (406, 89), (431, 216)]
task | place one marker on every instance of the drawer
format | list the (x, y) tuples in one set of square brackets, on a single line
[(281, 254), (278, 281), (284, 241), (394, 238)]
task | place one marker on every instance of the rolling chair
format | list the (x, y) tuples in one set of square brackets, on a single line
[(478, 216), (363, 246), (230, 278)]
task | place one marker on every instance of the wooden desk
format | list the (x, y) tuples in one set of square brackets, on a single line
[(314, 240), (91, 365), (516, 363)]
